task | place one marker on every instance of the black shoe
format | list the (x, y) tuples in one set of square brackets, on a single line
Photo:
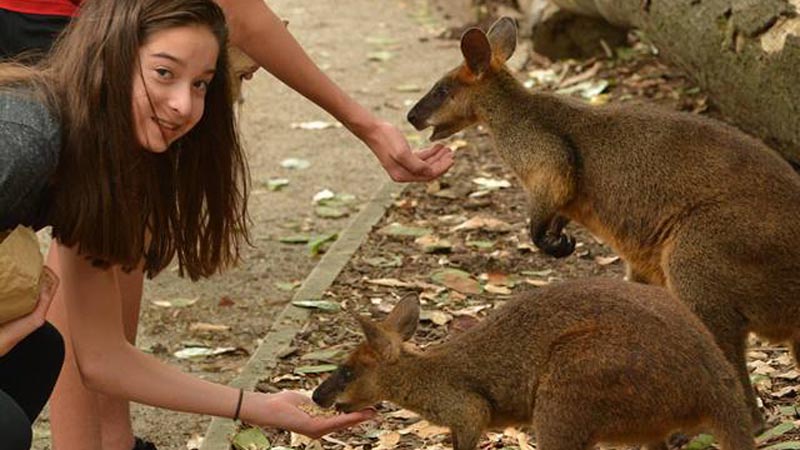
[(141, 444)]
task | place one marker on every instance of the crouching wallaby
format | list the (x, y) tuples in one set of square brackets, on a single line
[(689, 203), (593, 360)]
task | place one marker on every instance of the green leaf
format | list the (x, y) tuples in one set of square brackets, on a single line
[(776, 431), (331, 212), (322, 305), (338, 200), (784, 446), (276, 184), (481, 244), (251, 439), (327, 355), (315, 246), (537, 273), (323, 368), (295, 239), (701, 442)]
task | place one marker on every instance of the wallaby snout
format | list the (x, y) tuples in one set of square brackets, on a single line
[(355, 384), (325, 394), (417, 117), (448, 106)]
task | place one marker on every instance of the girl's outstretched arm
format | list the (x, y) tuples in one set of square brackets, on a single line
[(261, 34), (109, 364)]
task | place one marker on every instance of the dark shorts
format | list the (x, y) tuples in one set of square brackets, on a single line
[(31, 34)]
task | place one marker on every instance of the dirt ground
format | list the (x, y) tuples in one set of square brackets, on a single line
[(386, 63)]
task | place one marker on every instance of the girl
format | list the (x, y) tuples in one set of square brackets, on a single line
[(123, 140)]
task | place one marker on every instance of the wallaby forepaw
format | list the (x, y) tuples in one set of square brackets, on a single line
[(557, 246)]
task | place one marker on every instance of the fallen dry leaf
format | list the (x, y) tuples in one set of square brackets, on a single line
[(404, 414), (389, 282), (483, 223), (537, 283), (424, 429), (202, 326), (606, 260), (497, 289), (388, 440)]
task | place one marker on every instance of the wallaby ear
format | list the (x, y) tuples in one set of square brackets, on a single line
[(378, 339), (503, 38), (476, 50), (404, 318)]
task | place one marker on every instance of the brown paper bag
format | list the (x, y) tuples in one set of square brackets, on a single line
[(20, 268)]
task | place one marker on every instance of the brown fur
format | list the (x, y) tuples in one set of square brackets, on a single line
[(689, 203), (588, 361)]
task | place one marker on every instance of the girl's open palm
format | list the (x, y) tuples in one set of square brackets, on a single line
[(283, 411)]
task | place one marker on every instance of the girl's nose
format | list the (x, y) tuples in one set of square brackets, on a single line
[(180, 101)]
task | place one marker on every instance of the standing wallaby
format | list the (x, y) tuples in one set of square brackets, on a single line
[(689, 203), (587, 361)]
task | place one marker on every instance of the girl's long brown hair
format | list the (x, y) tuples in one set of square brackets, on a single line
[(119, 203)]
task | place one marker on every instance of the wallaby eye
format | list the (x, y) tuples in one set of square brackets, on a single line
[(346, 373), (440, 91)]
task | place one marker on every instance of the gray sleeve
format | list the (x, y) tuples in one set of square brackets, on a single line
[(27, 161)]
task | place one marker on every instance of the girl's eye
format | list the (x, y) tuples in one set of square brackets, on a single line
[(164, 73), (201, 85)]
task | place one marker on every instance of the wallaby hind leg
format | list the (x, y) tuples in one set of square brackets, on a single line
[(560, 426), (465, 438), (549, 439), (731, 423), (660, 445), (719, 315), (796, 349), (474, 418), (733, 344)]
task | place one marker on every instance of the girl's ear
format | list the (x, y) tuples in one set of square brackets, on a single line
[(404, 318), (476, 50), (503, 38)]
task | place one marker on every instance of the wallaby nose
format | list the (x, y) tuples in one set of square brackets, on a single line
[(318, 397), (415, 118)]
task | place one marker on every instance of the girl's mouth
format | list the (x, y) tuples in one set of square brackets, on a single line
[(165, 125)]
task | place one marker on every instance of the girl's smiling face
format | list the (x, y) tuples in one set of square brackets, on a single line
[(176, 67)]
